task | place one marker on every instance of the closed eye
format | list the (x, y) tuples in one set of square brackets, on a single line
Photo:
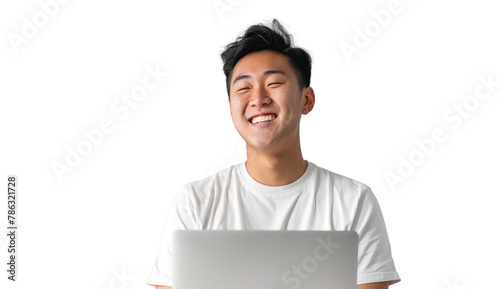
[(274, 84), (243, 88)]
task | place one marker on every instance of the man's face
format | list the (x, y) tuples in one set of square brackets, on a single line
[(266, 101)]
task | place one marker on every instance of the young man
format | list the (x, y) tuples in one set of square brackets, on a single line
[(276, 189)]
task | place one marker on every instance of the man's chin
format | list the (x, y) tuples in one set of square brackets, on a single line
[(262, 145)]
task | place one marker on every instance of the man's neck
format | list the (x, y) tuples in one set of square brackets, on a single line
[(276, 169)]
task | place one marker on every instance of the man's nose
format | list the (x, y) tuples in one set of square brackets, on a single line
[(260, 96)]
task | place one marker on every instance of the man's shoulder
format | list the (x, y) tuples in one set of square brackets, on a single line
[(213, 180), (339, 182)]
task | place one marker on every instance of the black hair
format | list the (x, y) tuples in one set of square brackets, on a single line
[(260, 37)]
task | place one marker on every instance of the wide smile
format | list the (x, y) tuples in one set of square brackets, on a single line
[(263, 119)]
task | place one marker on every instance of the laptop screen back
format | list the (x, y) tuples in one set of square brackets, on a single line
[(265, 259)]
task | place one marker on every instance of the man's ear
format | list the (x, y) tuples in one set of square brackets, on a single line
[(229, 103), (308, 102)]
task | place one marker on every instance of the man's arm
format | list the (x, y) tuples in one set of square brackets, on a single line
[(168, 287), (378, 285)]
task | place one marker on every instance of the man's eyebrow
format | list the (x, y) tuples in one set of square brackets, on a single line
[(243, 76), (266, 73)]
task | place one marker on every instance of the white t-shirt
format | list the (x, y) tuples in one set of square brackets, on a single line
[(318, 200)]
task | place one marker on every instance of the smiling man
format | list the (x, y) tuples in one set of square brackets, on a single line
[(268, 84), (267, 101)]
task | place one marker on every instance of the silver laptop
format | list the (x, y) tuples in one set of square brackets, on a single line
[(265, 259)]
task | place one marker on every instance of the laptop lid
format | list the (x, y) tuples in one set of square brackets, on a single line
[(265, 259)]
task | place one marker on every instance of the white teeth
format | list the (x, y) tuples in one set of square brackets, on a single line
[(263, 118)]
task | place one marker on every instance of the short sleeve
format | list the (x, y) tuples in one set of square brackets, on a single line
[(181, 216), (375, 263)]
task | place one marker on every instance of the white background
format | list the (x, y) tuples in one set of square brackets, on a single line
[(104, 218)]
